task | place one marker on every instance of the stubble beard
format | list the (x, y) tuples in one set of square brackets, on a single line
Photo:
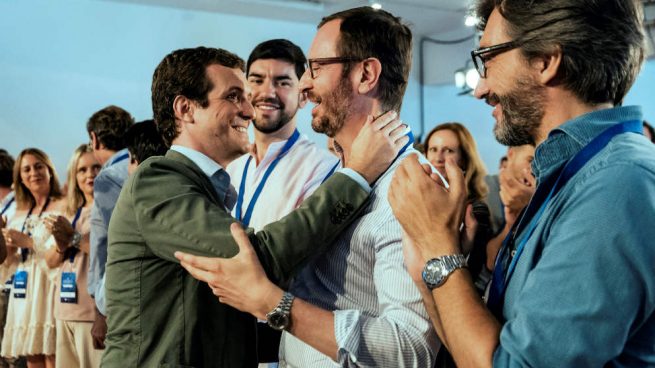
[(522, 112), (274, 126), (337, 105)]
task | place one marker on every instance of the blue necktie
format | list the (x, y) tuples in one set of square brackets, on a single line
[(226, 192)]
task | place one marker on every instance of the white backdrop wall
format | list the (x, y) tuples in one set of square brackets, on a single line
[(60, 61)]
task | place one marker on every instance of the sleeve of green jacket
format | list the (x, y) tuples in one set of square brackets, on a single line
[(174, 213)]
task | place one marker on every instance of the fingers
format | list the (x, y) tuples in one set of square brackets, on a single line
[(198, 273), (399, 132), (240, 237), (387, 120), (454, 173)]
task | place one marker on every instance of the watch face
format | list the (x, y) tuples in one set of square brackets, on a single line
[(278, 320), (433, 273)]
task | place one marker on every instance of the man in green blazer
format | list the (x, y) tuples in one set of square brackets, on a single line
[(160, 316)]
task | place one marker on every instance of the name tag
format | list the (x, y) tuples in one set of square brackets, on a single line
[(68, 292), (20, 284)]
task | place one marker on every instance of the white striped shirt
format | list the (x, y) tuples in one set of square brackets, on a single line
[(379, 315)]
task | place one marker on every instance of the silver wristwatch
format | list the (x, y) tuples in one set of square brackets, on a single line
[(279, 318), (437, 270)]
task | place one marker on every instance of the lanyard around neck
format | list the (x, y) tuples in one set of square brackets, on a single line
[(530, 219), (402, 150), (73, 251), (118, 159), (24, 251), (242, 188), (6, 207)]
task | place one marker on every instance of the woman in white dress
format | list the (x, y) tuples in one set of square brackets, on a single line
[(30, 327)]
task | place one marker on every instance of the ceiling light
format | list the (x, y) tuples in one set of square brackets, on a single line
[(375, 4)]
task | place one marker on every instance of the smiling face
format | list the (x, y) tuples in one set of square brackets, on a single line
[(220, 130), (275, 93), (442, 145), (330, 90), (86, 172), (509, 87), (34, 174)]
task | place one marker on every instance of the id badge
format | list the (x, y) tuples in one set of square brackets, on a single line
[(6, 288), (68, 292), (20, 284)]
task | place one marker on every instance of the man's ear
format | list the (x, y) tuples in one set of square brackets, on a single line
[(548, 65), (95, 143), (302, 100), (369, 76), (183, 109)]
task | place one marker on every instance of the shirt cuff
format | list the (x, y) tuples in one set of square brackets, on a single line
[(347, 334), (100, 298), (354, 175)]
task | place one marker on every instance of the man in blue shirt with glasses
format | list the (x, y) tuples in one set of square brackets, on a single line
[(573, 284)]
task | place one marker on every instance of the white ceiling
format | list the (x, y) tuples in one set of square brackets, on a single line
[(427, 17)]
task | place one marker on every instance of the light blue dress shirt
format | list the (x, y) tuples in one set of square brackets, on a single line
[(583, 291), (106, 189)]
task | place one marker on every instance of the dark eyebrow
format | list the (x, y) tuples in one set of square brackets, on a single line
[(255, 75)]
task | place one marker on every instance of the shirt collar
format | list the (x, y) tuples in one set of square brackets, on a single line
[(114, 157), (206, 164), (566, 140), (273, 150)]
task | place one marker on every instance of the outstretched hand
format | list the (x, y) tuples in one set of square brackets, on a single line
[(239, 281), (377, 145)]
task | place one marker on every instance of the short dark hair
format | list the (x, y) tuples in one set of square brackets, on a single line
[(143, 140), (6, 169), (365, 33), (601, 41), (109, 126), (650, 130), (184, 72), (279, 49)]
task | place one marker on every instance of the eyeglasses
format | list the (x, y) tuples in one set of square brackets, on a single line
[(480, 56), (315, 64)]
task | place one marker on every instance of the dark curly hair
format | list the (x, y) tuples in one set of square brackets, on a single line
[(183, 72)]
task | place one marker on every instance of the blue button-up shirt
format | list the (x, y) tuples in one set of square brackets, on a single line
[(583, 291), (106, 189)]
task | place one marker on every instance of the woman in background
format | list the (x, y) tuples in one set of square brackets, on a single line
[(454, 140), (30, 326), (74, 308)]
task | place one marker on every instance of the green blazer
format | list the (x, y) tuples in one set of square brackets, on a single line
[(160, 316)]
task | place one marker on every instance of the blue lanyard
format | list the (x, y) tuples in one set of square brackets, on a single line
[(332, 170), (24, 251), (535, 209), (118, 159), (242, 188), (402, 150), (73, 251), (7, 206)]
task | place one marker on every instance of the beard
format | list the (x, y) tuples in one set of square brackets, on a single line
[(522, 112), (337, 106), (271, 126)]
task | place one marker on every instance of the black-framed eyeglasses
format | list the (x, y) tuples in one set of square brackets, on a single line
[(481, 56), (315, 64)]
